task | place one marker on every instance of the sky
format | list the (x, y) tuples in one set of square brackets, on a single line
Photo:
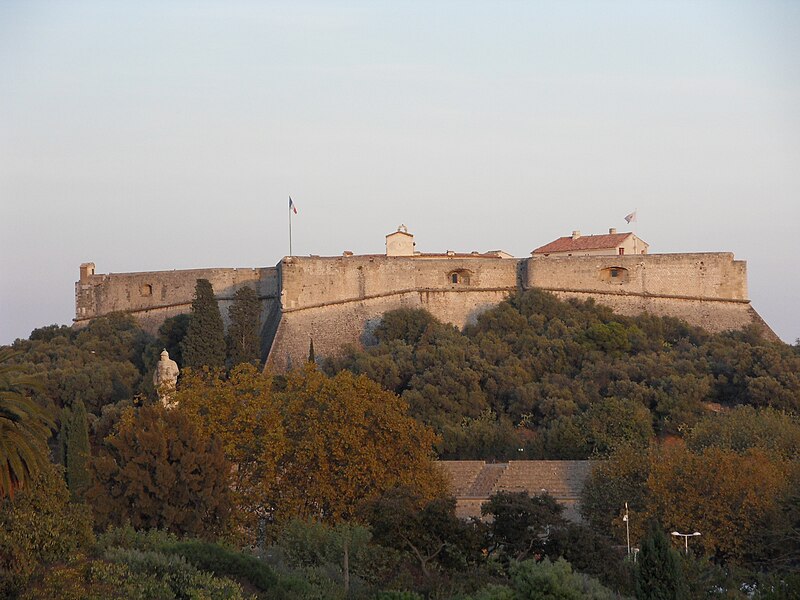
[(156, 135)]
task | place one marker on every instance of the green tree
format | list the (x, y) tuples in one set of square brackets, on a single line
[(547, 580), (160, 471), (658, 570), (612, 483), (746, 427), (244, 341), (521, 525), (24, 427), (204, 344), (39, 526), (312, 357), (76, 450), (427, 529)]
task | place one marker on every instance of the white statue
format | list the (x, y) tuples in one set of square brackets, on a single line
[(166, 378)]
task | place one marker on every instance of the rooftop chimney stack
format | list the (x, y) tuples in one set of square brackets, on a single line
[(576, 234), (612, 230)]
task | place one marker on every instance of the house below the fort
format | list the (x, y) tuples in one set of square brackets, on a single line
[(472, 482), (339, 300), (611, 243)]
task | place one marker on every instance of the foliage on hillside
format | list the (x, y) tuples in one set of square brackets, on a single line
[(742, 499), (158, 470), (309, 445), (568, 379)]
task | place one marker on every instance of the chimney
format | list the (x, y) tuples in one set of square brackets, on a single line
[(612, 230), (576, 234)]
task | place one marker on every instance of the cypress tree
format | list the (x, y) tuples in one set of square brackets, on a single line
[(76, 451), (658, 574), (311, 356), (204, 344), (244, 340)]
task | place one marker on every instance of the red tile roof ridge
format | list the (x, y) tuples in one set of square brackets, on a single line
[(584, 242)]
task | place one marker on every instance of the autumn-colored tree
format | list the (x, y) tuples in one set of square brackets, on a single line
[(728, 497), (244, 414), (316, 448), (158, 470), (349, 441)]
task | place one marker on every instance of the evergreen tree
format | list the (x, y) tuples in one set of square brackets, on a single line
[(160, 471), (659, 575), (312, 358), (204, 344), (76, 451), (244, 341)]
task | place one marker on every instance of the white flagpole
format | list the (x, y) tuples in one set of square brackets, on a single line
[(290, 225)]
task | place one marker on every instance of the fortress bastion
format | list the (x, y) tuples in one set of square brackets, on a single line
[(338, 300)]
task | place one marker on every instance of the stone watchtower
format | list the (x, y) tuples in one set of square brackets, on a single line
[(400, 243)]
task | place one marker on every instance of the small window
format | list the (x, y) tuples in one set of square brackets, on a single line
[(614, 275), (460, 277), (146, 290), (621, 251)]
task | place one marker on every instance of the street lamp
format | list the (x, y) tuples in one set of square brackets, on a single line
[(685, 537), (626, 518)]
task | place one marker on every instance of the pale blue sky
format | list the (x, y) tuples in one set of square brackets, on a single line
[(161, 135)]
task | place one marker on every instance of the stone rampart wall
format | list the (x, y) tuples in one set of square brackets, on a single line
[(154, 296), (316, 281), (708, 276), (333, 326)]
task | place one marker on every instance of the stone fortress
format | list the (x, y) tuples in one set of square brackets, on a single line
[(339, 300)]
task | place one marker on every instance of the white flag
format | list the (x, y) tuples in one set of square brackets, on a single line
[(630, 217)]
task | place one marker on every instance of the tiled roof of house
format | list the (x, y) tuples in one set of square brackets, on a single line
[(561, 478), (472, 482), (584, 242)]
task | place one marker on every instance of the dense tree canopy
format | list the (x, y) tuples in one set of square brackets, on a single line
[(309, 445), (158, 470), (569, 379)]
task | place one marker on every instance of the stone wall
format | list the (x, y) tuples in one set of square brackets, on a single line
[(154, 296), (702, 276), (338, 301), (705, 289)]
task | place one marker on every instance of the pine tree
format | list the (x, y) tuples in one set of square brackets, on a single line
[(244, 342), (204, 344), (311, 356), (76, 451), (658, 574)]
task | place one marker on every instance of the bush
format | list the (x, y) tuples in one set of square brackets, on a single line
[(225, 563), (39, 526)]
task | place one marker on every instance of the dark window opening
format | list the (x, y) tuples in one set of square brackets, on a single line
[(621, 251)]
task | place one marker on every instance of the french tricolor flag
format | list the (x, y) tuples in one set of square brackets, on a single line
[(292, 207)]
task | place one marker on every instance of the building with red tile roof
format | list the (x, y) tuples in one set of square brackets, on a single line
[(594, 245)]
